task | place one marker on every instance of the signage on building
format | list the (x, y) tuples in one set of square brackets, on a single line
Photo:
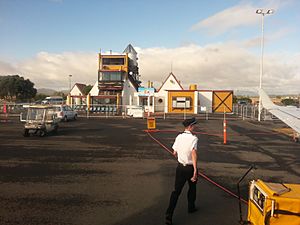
[(142, 91)]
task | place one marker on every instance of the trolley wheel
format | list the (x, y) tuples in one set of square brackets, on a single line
[(26, 133), (55, 130), (42, 133)]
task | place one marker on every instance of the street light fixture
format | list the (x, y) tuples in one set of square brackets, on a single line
[(70, 76), (262, 12)]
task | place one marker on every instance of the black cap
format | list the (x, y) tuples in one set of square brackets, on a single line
[(189, 122)]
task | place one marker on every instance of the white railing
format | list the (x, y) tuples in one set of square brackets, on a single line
[(244, 112)]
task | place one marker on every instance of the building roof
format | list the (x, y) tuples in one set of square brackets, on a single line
[(171, 74), (80, 87), (129, 49)]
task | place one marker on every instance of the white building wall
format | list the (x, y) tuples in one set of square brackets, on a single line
[(205, 98), (159, 102), (195, 102), (170, 84), (128, 93), (95, 90), (75, 91)]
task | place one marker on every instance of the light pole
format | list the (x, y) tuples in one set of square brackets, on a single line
[(262, 12), (70, 76)]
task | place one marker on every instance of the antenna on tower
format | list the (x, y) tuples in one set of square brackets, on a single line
[(171, 66)]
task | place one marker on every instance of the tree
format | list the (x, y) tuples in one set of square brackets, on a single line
[(14, 87), (87, 89), (289, 101), (234, 99), (39, 97)]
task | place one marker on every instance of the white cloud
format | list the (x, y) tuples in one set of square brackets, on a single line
[(7, 68), (214, 66), (237, 16), (219, 66), (52, 70), (227, 19)]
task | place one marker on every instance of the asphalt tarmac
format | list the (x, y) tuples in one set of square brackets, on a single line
[(110, 172)]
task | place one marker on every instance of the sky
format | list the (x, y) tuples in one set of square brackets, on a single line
[(212, 43)]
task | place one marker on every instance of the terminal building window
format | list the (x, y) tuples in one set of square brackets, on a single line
[(181, 102), (111, 76), (113, 61)]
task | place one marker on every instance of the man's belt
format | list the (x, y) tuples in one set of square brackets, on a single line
[(182, 164)]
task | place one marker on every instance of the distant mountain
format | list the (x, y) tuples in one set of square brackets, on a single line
[(45, 91), (245, 93)]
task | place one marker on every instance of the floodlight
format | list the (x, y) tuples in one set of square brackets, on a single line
[(259, 11)]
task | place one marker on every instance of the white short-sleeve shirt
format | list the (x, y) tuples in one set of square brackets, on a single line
[(183, 145)]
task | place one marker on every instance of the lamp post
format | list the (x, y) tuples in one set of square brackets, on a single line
[(262, 12), (70, 76)]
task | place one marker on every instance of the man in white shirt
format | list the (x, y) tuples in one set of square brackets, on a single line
[(185, 149)]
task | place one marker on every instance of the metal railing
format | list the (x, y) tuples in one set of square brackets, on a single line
[(244, 112)]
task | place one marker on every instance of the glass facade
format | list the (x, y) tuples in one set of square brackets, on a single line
[(113, 61), (111, 76)]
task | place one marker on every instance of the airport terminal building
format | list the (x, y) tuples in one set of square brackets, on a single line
[(118, 89)]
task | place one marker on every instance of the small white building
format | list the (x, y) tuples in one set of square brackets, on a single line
[(77, 94), (161, 96), (95, 90)]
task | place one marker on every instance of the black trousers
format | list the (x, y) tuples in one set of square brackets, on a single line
[(183, 174)]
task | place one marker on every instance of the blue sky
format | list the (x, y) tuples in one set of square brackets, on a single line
[(79, 25), (34, 32)]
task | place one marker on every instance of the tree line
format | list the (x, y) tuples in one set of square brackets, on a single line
[(15, 87)]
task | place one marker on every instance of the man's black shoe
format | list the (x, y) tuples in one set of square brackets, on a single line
[(168, 220), (192, 210)]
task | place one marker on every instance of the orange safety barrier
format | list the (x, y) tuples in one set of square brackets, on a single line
[(225, 132), (4, 108)]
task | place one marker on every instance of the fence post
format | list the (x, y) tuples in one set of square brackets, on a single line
[(243, 112), (224, 130), (125, 112)]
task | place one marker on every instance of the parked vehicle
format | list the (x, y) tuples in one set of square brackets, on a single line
[(53, 100), (40, 120), (65, 113)]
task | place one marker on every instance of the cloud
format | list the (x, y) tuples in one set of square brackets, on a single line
[(7, 68), (52, 70), (219, 66), (236, 16), (240, 15), (214, 66)]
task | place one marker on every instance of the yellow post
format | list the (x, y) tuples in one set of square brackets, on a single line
[(68, 100), (118, 100), (71, 101), (88, 102)]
